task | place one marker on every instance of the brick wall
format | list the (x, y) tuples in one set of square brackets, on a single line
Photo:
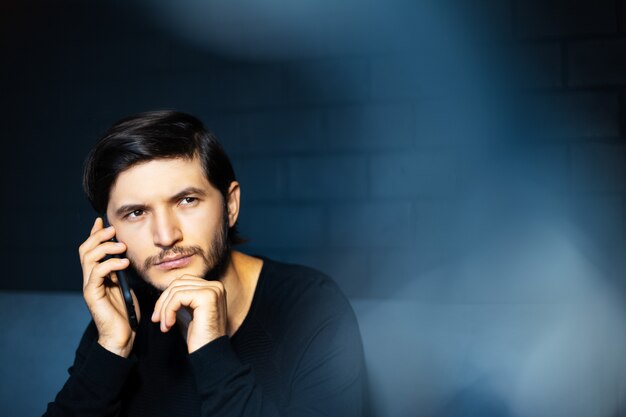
[(343, 167), (355, 160)]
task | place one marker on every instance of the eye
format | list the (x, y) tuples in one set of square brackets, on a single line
[(134, 214), (187, 201)]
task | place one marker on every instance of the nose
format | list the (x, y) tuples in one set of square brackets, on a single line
[(166, 229)]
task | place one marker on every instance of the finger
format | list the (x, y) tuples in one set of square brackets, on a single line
[(102, 270), (157, 314), (114, 293), (192, 281), (187, 297), (97, 225), (197, 282), (96, 238), (102, 250), (195, 296), (98, 254)]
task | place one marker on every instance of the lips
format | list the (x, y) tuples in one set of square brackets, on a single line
[(178, 261)]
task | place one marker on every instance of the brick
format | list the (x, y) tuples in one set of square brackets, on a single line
[(547, 166), (350, 269), (327, 81), (601, 219), (432, 71), (555, 18), (537, 65), (415, 174), (228, 128), (53, 181), (191, 93), (597, 63), (393, 271), (371, 225), (51, 226), (396, 77), (456, 119), (384, 126), (435, 224), (57, 269), (261, 179), (598, 168), (279, 226), (515, 66), (218, 87), (571, 115), (433, 124), (538, 164), (146, 54), (331, 177), (283, 131), (483, 20), (244, 86)]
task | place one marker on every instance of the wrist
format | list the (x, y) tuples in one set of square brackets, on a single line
[(196, 344), (123, 351)]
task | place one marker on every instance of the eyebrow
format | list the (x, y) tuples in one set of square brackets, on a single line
[(187, 191), (127, 208)]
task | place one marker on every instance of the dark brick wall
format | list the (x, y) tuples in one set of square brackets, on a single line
[(353, 161)]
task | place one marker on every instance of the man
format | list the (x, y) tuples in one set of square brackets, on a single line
[(221, 333)]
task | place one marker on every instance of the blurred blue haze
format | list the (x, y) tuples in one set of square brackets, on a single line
[(457, 166)]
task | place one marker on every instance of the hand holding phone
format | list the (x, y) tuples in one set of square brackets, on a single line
[(122, 279), (102, 289)]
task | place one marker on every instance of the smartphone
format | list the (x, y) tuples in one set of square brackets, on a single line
[(123, 280)]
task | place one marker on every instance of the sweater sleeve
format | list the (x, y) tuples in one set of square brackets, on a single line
[(95, 381), (328, 378)]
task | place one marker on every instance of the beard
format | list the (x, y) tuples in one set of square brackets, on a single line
[(215, 261)]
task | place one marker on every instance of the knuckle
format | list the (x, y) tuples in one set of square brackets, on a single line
[(83, 250), (100, 269), (212, 294), (88, 254), (219, 290)]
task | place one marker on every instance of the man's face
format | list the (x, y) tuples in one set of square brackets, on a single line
[(172, 220)]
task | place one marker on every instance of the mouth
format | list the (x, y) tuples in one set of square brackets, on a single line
[(178, 261)]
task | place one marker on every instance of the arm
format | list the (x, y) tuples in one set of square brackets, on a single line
[(101, 365), (328, 377), (95, 382)]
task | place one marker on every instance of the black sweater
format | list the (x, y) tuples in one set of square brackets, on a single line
[(297, 353)]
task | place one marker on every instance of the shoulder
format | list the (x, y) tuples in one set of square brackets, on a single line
[(292, 285), (296, 295)]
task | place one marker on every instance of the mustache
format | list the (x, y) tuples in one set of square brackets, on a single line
[(176, 250)]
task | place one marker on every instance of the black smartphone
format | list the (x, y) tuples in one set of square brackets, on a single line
[(122, 279)]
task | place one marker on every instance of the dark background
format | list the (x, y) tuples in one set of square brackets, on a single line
[(457, 166), (344, 159)]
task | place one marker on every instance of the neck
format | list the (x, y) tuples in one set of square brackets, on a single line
[(240, 281)]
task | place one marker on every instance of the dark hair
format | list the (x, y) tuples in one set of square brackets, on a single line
[(155, 135)]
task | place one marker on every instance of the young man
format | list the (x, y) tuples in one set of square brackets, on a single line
[(220, 333)]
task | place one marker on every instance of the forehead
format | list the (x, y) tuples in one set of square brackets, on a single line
[(159, 178)]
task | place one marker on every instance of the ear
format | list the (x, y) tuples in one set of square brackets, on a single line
[(233, 201)]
